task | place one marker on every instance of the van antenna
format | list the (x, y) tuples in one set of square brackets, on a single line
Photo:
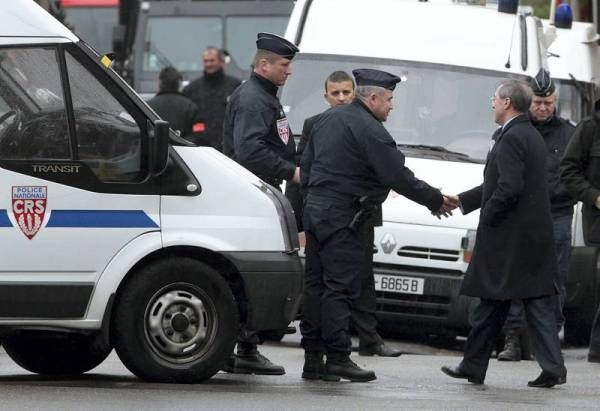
[(512, 36)]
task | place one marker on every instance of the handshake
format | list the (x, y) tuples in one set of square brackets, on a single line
[(450, 203)]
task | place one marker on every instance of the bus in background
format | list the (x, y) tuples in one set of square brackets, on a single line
[(92, 21)]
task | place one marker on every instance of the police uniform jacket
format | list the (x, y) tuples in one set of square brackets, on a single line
[(514, 255), (556, 133), (256, 133), (182, 114), (210, 93), (580, 173), (351, 155)]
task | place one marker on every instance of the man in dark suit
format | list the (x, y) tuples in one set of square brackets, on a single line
[(514, 255)]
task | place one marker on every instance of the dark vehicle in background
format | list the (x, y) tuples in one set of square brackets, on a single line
[(93, 21), (155, 34)]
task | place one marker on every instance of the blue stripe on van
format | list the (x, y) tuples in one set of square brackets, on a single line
[(4, 221), (101, 219)]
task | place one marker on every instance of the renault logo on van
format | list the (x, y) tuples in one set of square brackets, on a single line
[(388, 243)]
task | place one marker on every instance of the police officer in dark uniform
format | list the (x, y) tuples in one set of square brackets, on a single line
[(556, 132), (181, 112), (256, 134), (348, 168)]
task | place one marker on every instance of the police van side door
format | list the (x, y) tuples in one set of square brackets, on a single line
[(72, 179)]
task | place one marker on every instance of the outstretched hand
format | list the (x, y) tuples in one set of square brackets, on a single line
[(450, 203)]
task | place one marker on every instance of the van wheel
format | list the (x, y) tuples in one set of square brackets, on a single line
[(175, 321), (55, 353)]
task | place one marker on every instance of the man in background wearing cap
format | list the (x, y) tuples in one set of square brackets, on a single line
[(256, 134), (556, 133), (348, 168)]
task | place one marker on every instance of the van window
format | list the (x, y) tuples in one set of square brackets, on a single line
[(108, 137), (241, 35), (33, 120), (436, 106), (179, 41)]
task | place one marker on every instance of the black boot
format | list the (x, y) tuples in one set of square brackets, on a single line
[(249, 361), (512, 348), (314, 366), (340, 366)]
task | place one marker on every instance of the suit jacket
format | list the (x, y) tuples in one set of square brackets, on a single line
[(514, 255)]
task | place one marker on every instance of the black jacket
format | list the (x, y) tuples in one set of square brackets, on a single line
[(210, 93), (514, 255), (556, 133), (256, 133), (182, 114), (580, 173), (350, 155)]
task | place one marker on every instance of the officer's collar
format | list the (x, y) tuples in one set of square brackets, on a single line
[(264, 83), (357, 101)]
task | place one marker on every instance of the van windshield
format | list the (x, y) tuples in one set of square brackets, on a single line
[(437, 109)]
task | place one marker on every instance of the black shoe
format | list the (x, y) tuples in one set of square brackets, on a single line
[(512, 348), (546, 381), (381, 350), (458, 373), (341, 366), (252, 362), (593, 356), (314, 366)]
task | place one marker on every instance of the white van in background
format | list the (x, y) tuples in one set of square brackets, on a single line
[(115, 232), (451, 56)]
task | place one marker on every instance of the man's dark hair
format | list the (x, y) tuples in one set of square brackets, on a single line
[(220, 52), (338, 77), (169, 79), (519, 93)]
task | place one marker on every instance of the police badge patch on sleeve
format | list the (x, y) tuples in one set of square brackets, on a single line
[(283, 129)]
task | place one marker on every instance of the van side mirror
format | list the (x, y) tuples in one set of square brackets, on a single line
[(158, 139)]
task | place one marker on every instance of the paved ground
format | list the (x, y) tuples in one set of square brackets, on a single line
[(411, 381)]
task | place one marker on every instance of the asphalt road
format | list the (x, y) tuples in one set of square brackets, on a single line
[(412, 381)]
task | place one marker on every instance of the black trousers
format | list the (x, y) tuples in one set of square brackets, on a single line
[(595, 336), (334, 265), (363, 310), (489, 317)]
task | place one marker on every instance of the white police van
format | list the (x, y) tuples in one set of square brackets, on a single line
[(451, 56), (115, 232)]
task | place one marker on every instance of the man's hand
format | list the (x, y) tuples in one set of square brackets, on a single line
[(597, 202), (450, 203), (296, 178)]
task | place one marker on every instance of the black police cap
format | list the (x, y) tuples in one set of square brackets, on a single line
[(276, 44), (371, 77), (542, 85)]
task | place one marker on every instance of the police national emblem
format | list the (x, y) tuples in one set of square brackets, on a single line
[(283, 129), (29, 208)]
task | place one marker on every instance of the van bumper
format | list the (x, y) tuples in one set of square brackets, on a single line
[(272, 285), (440, 305)]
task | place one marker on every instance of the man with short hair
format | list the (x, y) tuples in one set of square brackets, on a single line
[(348, 168), (256, 134), (211, 92), (556, 133), (181, 112), (514, 256)]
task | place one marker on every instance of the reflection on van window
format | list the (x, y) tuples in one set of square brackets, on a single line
[(569, 101), (108, 138), (179, 41), (439, 106), (241, 35), (33, 121)]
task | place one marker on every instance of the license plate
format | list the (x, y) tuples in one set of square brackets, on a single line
[(399, 284)]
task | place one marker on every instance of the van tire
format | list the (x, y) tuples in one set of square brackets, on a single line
[(55, 353), (175, 320)]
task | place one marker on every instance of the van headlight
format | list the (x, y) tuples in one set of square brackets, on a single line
[(286, 217)]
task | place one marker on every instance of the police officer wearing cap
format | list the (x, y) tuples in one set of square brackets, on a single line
[(256, 134), (556, 132), (350, 164)]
